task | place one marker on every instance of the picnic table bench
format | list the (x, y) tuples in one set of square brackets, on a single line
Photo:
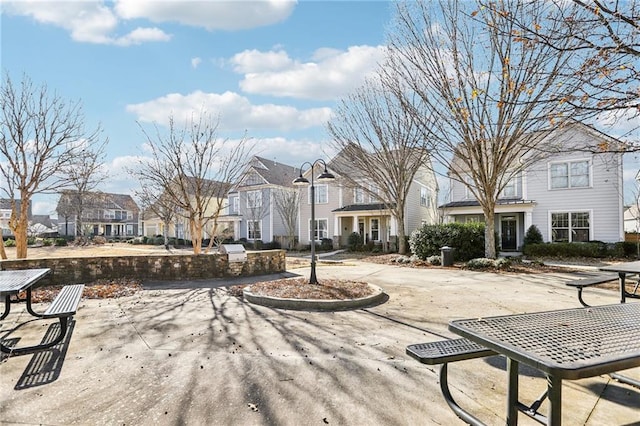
[(593, 280), (63, 307)]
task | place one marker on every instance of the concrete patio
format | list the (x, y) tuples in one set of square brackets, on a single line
[(191, 354)]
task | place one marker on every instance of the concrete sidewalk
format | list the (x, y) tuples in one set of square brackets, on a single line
[(194, 355)]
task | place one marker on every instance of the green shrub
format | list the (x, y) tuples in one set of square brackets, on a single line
[(591, 249), (466, 238), (326, 244), (31, 241), (10, 243), (61, 242), (47, 242), (354, 242), (533, 236)]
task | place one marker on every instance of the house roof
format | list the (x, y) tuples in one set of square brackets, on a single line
[(100, 200), (5, 204), (272, 172), (475, 203), (362, 207)]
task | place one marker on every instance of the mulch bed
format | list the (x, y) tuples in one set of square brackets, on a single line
[(100, 289), (299, 288)]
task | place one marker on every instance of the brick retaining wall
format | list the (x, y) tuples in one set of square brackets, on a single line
[(80, 270)]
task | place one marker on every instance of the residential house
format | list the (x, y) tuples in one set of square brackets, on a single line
[(253, 203), (573, 195), (5, 215), (632, 219), (41, 225), (166, 215), (342, 209), (105, 214)]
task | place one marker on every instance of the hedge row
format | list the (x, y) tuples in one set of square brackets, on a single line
[(596, 249)]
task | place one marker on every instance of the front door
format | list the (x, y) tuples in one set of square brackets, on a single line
[(509, 234)]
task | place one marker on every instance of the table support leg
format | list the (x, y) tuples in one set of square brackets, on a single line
[(512, 392), (29, 308), (554, 385), (64, 322), (7, 307), (460, 412), (623, 291)]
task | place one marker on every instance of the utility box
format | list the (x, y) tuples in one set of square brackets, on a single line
[(446, 255), (234, 252)]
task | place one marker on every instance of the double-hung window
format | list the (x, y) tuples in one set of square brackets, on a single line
[(319, 231), (425, 200), (570, 227), (570, 174), (358, 196), (321, 191), (254, 199), (253, 230)]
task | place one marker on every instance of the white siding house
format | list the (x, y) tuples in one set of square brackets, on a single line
[(573, 196)]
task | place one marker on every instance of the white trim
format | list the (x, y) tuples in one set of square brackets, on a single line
[(591, 222), (568, 162)]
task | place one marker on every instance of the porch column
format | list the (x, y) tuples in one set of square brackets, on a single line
[(337, 228), (528, 220), (356, 219)]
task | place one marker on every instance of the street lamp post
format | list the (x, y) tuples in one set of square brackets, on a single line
[(300, 181)]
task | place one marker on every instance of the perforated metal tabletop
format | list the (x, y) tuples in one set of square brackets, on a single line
[(12, 282), (568, 344)]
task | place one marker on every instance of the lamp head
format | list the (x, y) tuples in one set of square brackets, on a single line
[(325, 176), (299, 181)]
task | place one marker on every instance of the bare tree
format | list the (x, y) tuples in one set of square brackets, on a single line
[(605, 39), (381, 143), (85, 172), (41, 135), (156, 202), (287, 204), (480, 92), (194, 168)]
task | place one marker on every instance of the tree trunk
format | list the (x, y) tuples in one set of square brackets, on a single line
[(21, 234), (196, 237), (489, 233), (3, 253), (402, 241)]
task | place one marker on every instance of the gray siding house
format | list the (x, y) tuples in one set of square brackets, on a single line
[(252, 204), (572, 196), (341, 209)]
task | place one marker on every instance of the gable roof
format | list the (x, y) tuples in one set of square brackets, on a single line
[(271, 172)]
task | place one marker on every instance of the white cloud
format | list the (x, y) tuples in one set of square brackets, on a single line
[(86, 21), (195, 62), (212, 15), (333, 74), (98, 21), (235, 111), (251, 61)]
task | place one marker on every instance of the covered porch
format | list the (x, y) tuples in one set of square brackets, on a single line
[(512, 219), (373, 222)]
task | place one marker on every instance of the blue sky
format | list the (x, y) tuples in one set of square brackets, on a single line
[(272, 68)]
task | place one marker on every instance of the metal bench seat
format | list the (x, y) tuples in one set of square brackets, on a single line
[(591, 281)]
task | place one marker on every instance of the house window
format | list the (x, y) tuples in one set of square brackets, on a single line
[(254, 199), (253, 230), (569, 174), (358, 196), (469, 184), (321, 192), (510, 190), (375, 229), (570, 227), (129, 229), (374, 194), (321, 230), (425, 200)]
